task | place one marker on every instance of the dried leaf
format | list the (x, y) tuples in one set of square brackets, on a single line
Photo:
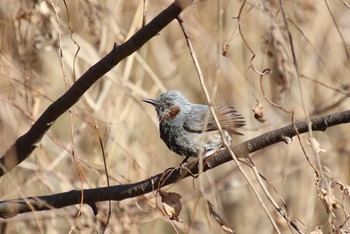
[(344, 188), (283, 72), (226, 50), (171, 204), (218, 219), (329, 200), (258, 112)]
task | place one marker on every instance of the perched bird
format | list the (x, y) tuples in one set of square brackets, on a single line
[(189, 129)]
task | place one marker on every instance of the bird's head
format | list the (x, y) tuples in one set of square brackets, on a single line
[(169, 105)]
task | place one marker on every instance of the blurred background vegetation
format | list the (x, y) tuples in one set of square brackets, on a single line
[(34, 74)]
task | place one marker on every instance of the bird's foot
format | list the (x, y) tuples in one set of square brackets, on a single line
[(184, 162), (185, 167)]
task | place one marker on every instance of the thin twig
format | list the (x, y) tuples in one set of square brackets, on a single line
[(316, 154), (205, 90)]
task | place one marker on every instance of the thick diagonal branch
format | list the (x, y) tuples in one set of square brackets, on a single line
[(27, 143)]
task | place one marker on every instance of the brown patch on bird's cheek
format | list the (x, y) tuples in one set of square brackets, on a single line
[(173, 111)]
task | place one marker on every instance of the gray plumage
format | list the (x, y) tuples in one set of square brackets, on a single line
[(189, 129)]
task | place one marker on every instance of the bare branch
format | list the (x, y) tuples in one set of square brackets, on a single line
[(27, 143), (120, 192)]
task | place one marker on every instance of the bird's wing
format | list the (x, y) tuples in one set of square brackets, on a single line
[(228, 118)]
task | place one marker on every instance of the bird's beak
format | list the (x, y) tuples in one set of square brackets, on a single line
[(151, 101)]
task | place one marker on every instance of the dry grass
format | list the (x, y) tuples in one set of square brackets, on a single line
[(32, 78)]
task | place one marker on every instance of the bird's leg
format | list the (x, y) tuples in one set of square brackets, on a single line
[(184, 162), (184, 165)]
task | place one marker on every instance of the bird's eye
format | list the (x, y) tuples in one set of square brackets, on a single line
[(168, 104)]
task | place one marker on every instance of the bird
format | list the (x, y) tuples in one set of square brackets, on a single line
[(189, 129)]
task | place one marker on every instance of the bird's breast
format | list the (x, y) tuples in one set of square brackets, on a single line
[(191, 143)]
